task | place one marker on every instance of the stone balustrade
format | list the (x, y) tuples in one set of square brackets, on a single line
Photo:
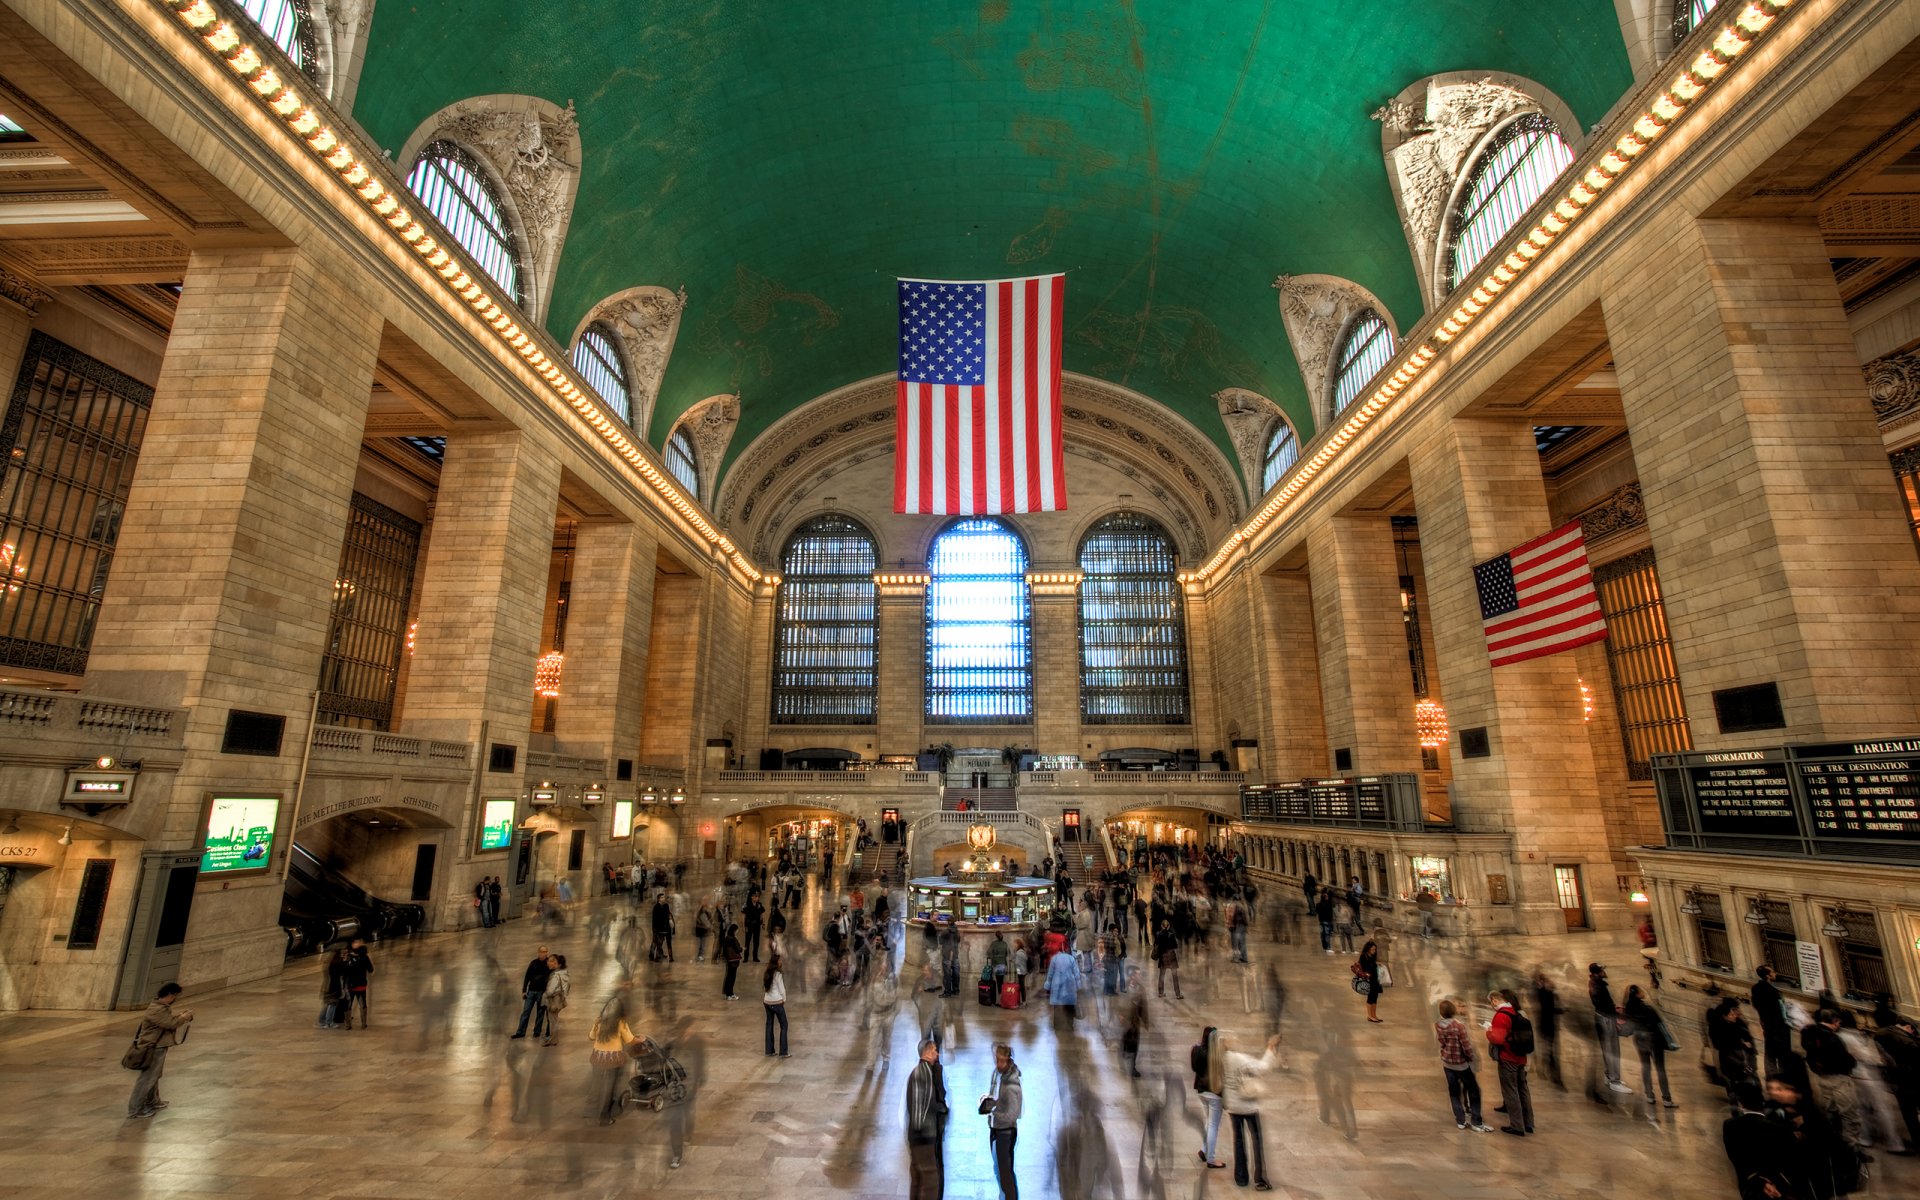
[(332, 741), (108, 723)]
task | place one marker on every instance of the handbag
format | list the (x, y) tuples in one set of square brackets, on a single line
[(1386, 976), (1360, 984), (986, 1105), (138, 1057)]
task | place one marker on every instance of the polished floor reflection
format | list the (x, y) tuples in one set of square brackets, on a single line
[(435, 1100)]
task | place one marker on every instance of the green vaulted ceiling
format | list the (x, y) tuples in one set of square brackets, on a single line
[(785, 162)]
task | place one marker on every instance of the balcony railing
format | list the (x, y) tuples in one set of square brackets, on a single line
[(835, 780), (334, 741), (108, 723)]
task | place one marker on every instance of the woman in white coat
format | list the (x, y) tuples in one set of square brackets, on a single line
[(1240, 1095)]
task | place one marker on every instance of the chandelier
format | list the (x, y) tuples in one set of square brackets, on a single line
[(546, 675), (1430, 722)]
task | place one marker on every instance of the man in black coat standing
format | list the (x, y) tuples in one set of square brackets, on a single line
[(533, 991), (662, 930), (751, 917), (1774, 1030), (926, 1125)]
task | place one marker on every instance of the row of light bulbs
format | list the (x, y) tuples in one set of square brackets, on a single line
[(1732, 41)]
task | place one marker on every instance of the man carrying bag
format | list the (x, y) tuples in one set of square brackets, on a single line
[(162, 1027)]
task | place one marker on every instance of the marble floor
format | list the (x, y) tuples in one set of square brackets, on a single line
[(434, 1100)]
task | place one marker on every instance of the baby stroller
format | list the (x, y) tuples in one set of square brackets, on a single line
[(658, 1078)]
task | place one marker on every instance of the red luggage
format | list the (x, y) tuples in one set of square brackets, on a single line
[(1009, 995)]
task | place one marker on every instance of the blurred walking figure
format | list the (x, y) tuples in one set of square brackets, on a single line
[(1323, 911), (1208, 1060), (1457, 1058), (1770, 1009), (1063, 990), (333, 990), (611, 1036), (1511, 1036), (1240, 1094), (1606, 1024), (732, 951), (662, 917), (1546, 1026), (1831, 1065), (1652, 1039), (533, 993), (926, 1125), (1166, 960), (359, 974), (162, 1027), (559, 988), (702, 930), (1733, 1046), (1002, 1106)]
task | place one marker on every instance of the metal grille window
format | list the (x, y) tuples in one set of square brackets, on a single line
[(1517, 168), (682, 464), (1906, 472), (1687, 15), (597, 357), (1283, 450), (1646, 682), (1777, 941), (1133, 633), (1716, 947), (979, 628), (454, 187), (72, 434), (1863, 961), (1367, 348), (826, 632), (290, 24), (367, 631)]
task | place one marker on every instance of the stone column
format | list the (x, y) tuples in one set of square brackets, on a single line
[(1366, 686), (1480, 493), (668, 721), (1294, 740), (1203, 707), (1056, 662), (609, 634), (903, 663), (223, 575), (1784, 552)]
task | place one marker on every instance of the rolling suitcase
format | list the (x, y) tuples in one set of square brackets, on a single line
[(986, 992), (1009, 995)]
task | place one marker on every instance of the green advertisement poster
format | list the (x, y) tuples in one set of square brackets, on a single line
[(240, 833), (496, 824)]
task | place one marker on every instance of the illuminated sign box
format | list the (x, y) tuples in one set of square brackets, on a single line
[(622, 819), (591, 797), (545, 795), (99, 787), (496, 824), (239, 834)]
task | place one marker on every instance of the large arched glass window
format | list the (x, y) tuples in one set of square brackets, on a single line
[(681, 463), (290, 24), (1133, 635), (1283, 450), (1367, 348), (455, 190), (1516, 169), (597, 357), (1687, 15), (979, 635), (825, 633)]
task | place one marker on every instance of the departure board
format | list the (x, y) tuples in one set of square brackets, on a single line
[(1862, 795), (1746, 795)]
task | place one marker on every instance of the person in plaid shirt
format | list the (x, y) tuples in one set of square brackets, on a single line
[(1457, 1056)]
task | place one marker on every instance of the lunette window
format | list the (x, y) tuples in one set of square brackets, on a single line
[(454, 187), (1516, 169), (1133, 636), (1367, 348), (597, 357), (979, 631), (1283, 450), (826, 631), (682, 464), (290, 24)]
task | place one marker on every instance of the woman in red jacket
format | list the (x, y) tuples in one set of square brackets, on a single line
[(1511, 1036)]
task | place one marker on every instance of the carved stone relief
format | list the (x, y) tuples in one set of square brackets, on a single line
[(22, 290), (1621, 510), (1250, 419), (710, 425), (1428, 133), (533, 147), (343, 46), (646, 321), (1316, 310), (1893, 380)]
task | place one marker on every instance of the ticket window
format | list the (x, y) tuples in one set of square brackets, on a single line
[(1430, 874), (1070, 825)]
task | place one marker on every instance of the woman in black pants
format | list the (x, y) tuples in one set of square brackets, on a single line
[(732, 951), (1369, 970), (775, 1000)]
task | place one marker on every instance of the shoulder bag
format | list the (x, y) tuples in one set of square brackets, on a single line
[(138, 1057)]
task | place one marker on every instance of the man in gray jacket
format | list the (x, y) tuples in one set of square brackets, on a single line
[(163, 1026), (1002, 1106)]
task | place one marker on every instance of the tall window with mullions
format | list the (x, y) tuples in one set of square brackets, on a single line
[(1646, 680), (979, 627), (367, 629), (1518, 166), (1133, 634), (826, 634), (72, 435), (457, 190)]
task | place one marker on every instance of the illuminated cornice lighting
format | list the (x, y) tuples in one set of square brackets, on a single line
[(901, 580), (1472, 300), (379, 190)]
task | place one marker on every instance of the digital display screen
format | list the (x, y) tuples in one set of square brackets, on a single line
[(622, 819), (496, 824), (239, 833)]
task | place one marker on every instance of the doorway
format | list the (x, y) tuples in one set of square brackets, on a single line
[(1572, 897)]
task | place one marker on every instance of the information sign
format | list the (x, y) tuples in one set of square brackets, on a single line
[(1751, 796)]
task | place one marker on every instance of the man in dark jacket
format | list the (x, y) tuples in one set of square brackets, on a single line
[(1760, 1147), (358, 975), (533, 987), (1899, 1042), (662, 930), (926, 1125), (751, 916), (1772, 1013), (1831, 1065), (1606, 1024)]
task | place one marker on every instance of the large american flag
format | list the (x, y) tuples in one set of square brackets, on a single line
[(979, 418), (1538, 598)]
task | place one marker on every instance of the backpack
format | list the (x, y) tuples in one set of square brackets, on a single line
[(1520, 1035)]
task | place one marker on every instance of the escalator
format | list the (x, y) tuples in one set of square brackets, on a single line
[(322, 906)]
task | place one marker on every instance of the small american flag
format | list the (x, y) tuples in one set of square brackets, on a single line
[(979, 417), (1538, 598)]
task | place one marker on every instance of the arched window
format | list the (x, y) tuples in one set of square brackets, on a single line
[(681, 463), (1687, 15), (1517, 168), (1283, 450), (1133, 636), (979, 636), (825, 632), (1367, 348), (290, 24), (597, 357), (455, 190)]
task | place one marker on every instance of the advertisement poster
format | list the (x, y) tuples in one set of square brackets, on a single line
[(496, 824), (622, 819), (240, 833)]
